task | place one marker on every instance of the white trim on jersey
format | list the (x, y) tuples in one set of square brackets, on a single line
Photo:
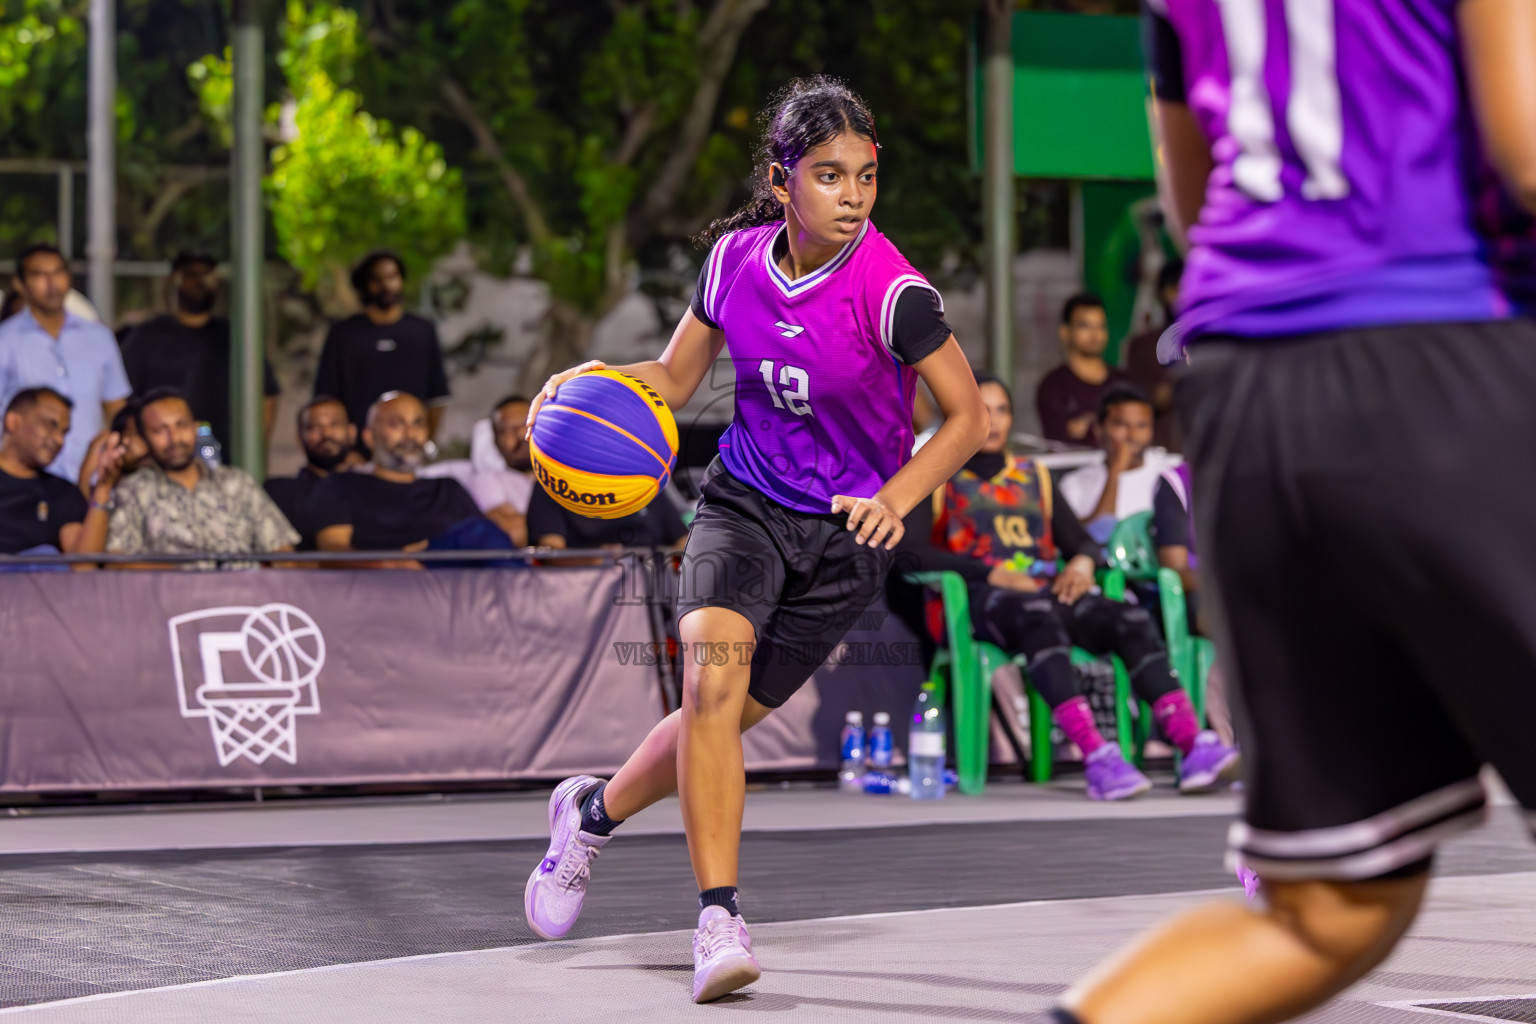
[(888, 307), (712, 278), (811, 280)]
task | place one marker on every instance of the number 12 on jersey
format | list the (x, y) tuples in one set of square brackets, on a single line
[(796, 400)]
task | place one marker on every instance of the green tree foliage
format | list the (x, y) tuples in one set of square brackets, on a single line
[(347, 182), (586, 130), (170, 169)]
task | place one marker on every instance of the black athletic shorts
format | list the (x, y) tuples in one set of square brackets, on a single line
[(798, 577), (1365, 502)]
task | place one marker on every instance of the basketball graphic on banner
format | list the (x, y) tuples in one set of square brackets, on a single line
[(605, 445), (249, 672)]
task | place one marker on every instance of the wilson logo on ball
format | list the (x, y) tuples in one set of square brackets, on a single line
[(560, 489)]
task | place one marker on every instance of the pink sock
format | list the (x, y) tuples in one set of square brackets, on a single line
[(1176, 716), (1075, 717)]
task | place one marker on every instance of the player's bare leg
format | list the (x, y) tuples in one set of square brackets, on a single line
[(711, 779), (1229, 964), (711, 783), (650, 774), (583, 811)]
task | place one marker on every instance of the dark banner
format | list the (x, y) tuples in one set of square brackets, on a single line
[(145, 680)]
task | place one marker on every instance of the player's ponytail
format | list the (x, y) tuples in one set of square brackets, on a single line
[(806, 113)]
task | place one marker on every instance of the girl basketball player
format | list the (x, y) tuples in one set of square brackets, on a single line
[(829, 330)]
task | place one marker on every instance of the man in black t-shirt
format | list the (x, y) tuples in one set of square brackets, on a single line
[(386, 506), (330, 446), (189, 350), (40, 512), (383, 348)]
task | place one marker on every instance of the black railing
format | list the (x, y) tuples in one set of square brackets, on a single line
[(290, 558)]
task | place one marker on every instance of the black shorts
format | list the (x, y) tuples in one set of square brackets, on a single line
[(1364, 506), (798, 577)]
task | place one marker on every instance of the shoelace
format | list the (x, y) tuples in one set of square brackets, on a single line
[(576, 865), (717, 935)]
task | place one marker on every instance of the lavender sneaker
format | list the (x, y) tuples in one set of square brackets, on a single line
[(558, 885), (1111, 777), (722, 955), (1208, 765)]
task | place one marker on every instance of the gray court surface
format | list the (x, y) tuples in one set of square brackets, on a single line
[(870, 909)]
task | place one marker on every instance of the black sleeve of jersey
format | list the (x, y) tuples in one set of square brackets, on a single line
[(697, 303), (1165, 60), (919, 329), (1170, 520), (1070, 535)]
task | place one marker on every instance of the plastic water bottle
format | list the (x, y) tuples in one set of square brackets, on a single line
[(850, 775), (925, 746), (208, 447), (881, 746)]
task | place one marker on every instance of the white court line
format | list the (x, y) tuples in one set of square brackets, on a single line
[(1418, 1006), (564, 943), (1231, 891)]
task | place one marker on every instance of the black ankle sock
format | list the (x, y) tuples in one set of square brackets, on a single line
[(1059, 1015), (594, 815), (720, 896)]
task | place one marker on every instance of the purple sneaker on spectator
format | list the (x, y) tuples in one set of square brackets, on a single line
[(1111, 777), (1208, 765), (558, 885), (722, 955)]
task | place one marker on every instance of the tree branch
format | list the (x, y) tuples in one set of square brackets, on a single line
[(464, 108), (718, 41), (635, 134)]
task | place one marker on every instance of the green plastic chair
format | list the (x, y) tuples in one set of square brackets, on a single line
[(1131, 551), (965, 667)]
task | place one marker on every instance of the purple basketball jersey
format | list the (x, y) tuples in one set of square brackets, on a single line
[(823, 405), (1342, 143)]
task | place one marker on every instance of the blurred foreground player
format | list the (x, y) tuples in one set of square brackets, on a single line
[(1352, 390), (829, 329)]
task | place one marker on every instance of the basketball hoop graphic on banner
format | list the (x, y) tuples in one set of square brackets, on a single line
[(250, 672)]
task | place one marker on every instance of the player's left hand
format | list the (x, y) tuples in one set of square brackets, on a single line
[(1074, 581), (875, 520)]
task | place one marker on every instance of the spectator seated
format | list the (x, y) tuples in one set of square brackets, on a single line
[(1122, 485), (177, 504), (385, 505), (329, 441), (995, 524), (41, 513), (499, 472)]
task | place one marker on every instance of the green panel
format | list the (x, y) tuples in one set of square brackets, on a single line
[(1079, 99), (1111, 251), (1069, 124)]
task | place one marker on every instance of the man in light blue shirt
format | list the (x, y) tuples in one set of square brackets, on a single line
[(46, 346)]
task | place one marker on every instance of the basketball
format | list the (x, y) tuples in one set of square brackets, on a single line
[(605, 445)]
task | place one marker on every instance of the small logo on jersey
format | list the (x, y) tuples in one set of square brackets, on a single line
[(387, 345), (789, 330), (42, 511)]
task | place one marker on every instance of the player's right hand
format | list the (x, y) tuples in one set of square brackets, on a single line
[(551, 385)]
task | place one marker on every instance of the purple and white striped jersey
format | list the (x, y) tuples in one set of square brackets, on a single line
[(1343, 142), (823, 390)]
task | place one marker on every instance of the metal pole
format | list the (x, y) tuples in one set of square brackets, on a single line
[(248, 162), (101, 147), (998, 185), (67, 213)]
